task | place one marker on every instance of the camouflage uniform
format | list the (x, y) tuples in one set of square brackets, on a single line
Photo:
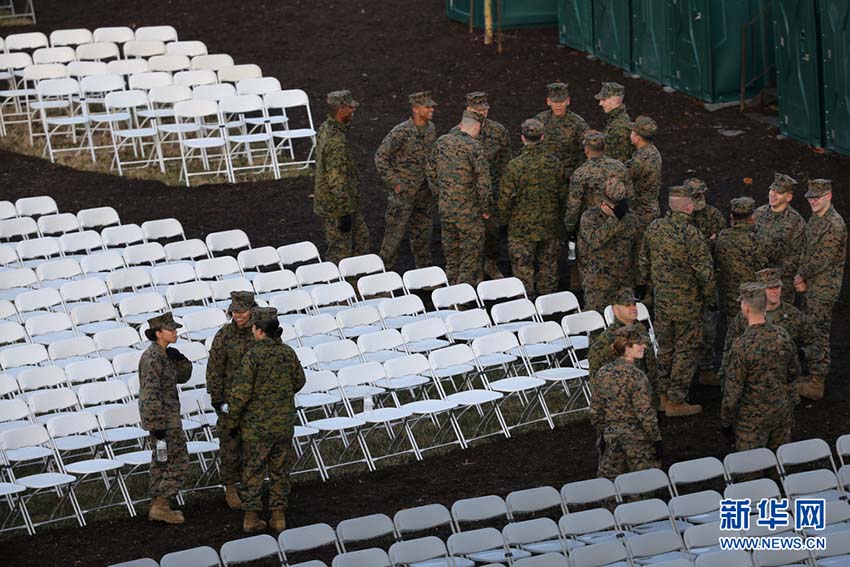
[(645, 173), (599, 354), (459, 175), (532, 195), (401, 160), (604, 250), (622, 412), (762, 363), (230, 344), (675, 261), (562, 136), (785, 231), (738, 254), (336, 192), (262, 406), (160, 371), (822, 268), (617, 129)]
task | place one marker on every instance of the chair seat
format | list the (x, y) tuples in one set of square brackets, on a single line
[(338, 365), (496, 359), (92, 466), (516, 384), (545, 349), (317, 399), (603, 536), (175, 128), (67, 120), (426, 345), (565, 373), (401, 320), (474, 397), (579, 342), (157, 113), (407, 382), (515, 326), (708, 518), (136, 133), (828, 495), (109, 116), (45, 480), (384, 415), (120, 434), (455, 370), (8, 488), (302, 431), (661, 558), (454, 562), (270, 120), (336, 423), (297, 133), (28, 454), (426, 407), (359, 392), (659, 526), (472, 334), (76, 442), (249, 138), (195, 447), (134, 459), (360, 330), (541, 547), (382, 355)]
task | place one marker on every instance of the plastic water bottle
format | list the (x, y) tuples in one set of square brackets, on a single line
[(225, 408), (572, 250), (368, 404), (161, 451)]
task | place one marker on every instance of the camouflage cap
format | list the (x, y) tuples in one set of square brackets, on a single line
[(474, 116), (750, 290), (644, 126), (625, 297), (241, 301), (696, 185), (594, 139), (818, 187), (163, 322), (259, 314), (422, 98), (743, 205), (614, 191), (532, 128), (770, 277), (558, 92), (633, 333), (341, 98), (681, 191), (477, 99), (783, 183), (610, 89)]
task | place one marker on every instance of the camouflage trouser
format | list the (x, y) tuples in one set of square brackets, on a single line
[(258, 457), (166, 479), (492, 238), (342, 245), (411, 214), (764, 431), (625, 453), (229, 451), (678, 347), (463, 245), (645, 215), (525, 253), (710, 321), (596, 298), (818, 313)]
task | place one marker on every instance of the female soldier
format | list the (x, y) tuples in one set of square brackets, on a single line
[(622, 409), (262, 407)]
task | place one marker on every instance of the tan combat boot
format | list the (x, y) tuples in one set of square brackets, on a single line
[(662, 402), (231, 495), (160, 511), (709, 378), (278, 521), (252, 523), (813, 388), (491, 270), (674, 409)]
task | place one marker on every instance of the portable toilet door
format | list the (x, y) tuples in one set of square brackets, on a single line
[(612, 32), (797, 70), (649, 40), (575, 24), (690, 64), (835, 55)]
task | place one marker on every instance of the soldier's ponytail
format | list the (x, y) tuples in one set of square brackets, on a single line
[(271, 327)]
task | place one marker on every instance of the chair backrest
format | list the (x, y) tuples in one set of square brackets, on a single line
[(143, 48), (120, 34), (588, 491), (755, 490), (642, 482), (227, 240), (249, 549), (58, 223), (305, 538), (505, 288), (24, 355), (424, 278), (364, 528), (582, 323), (531, 531), (98, 217), (124, 235), (188, 48), (236, 73), (115, 338), (30, 40), (696, 470), (259, 86), (425, 329), (695, 504), (483, 539), (35, 206), (598, 554), (586, 521), (422, 518), (215, 268), (323, 272), (479, 509), (80, 69), (279, 280), (455, 295), (802, 452), (98, 51), (533, 500), (298, 253), (191, 249), (398, 306), (195, 557), (18, 228), (545, 560), (289, 98), (372, 557), (162, 228), (355, 266), (746, 462), (76, 36), (100, 84), (213, 62), (387, 339), (380, 284), (42, 377), (416, 550), (158, 33)]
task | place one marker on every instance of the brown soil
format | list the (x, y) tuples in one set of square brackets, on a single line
[(381, 53)]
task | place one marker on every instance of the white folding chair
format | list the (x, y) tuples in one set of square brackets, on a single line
[(200, 146), (643, 482), (158, 33), (120, 34), (236, 73), (483, 545), (696, 471), (58, 224), (71, 37), (375, 287), (697, 508), (578, 327), (98, 52), (299, 253), (187, 48), (227, 240), (447, 300), (196, 557), (356, 266), (286, 101), (399, 312), (48, 328), (241, 140), (749, 462), (249, 549), (212, 62), (425, 278), (306, 538), (122, 236), (127, 134), (59, 91), (538, 535), (98, 217)]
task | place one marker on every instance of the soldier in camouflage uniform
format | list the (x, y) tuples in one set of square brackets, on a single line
[(675, 262), (496, 143), (230, 344), (161, 369), (588, 181), (622, 411), (819, 276), (617, 121), (336, 193), (710, 221), (606, 238), (532, 196), (645, 172), (779, 223), (262, 407), (738, 254), (401, 160), (563, 129), (459, 176), (624, 309), (762, 363)]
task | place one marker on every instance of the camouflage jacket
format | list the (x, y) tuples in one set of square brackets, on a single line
[(674, 260), (228, 347), (599, 354), (587, 184), (159, 401), (710, 221), (403, 154), (762, 362), (563, 137), (262, 398), (824, 251), (786, 316), (784, 232), (645, 172), (459, 176), (739, 253), (336, 191), (532, 195), (604, 250), (621, 402), (496, 143), (618, 144)]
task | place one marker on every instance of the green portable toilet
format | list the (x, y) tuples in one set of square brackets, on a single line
[(612, 32), (797, 70), (835, 55), (515, 13), (649, 40), (575, 24)]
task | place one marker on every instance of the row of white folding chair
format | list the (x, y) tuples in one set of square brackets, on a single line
[(78, 36)]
